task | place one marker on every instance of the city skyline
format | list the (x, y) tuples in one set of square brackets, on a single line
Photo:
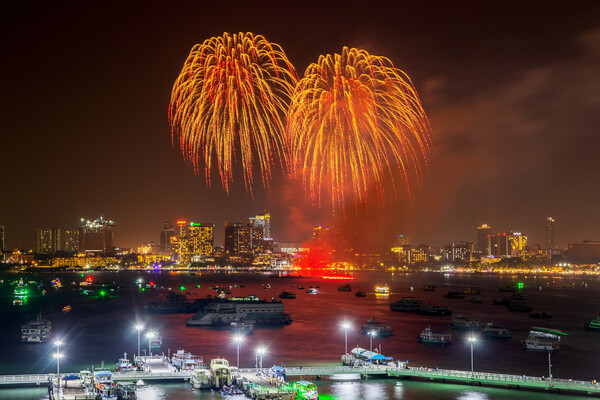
[(510, 91)]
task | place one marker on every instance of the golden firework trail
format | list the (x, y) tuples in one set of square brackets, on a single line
[(231, 96), (355, 120)]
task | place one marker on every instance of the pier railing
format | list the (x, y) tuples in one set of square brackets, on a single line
[(33, 379)]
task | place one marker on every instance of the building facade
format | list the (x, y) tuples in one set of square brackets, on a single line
[(47, 240), (96, 236)]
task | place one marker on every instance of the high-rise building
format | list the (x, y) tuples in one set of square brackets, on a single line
[(96, 236), (2, 238), (263, 221), (70, 240), (483, 232), (47, 240), (505, 245), (166, 233), (202, 239), (458, 251), (182, 245), (549, 234), (401, 240), (418, 254), (238, 239)]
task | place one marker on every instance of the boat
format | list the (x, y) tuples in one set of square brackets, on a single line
[(287, 295), (544, 339), (428, 288), (66, 309), (360, 293), (470, 290), (463, 323), (124, 365), (384, 289), (103, 386), (507, 288), (541, 315), (312, 291), (377, 328), (221, 313), (305, 390), (242, 327), (36, 331), (433, 337), (476, 300), (300, 288), (185, 361), (496, 331), (430, 309), (594, 324), (221, 372), (518, 306), (126, 391), (407, 304), (454, 295), (345, 288), (230, 391), (201, 378)]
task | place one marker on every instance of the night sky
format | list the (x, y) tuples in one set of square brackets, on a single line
[(512, 90)]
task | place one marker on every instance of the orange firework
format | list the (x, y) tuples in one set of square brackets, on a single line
[(230, 97), (354, 120)]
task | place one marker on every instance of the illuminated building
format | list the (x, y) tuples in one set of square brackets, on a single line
[(47, 240), (322, 236), (148, 248), (1, 238), (506, 245), (96, 236), (549, 235), (401, 240), (238, 239), (182, 245), (587, 251), (193, 239), (166, 233), (263, 221), (71, 240), (515, 242), (418, 255), (483, 232), (458, 251), (402, 252)]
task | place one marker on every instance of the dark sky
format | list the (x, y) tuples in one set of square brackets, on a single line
[(512, 90)]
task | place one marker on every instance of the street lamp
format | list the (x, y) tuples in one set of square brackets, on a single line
[(472, 339), (139, 328), (58, 355), (371, 334), (150, 336), (260, 352), (238, 339), (346, 325), (550, 368)]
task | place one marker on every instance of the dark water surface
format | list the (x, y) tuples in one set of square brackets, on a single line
[(97, 331)]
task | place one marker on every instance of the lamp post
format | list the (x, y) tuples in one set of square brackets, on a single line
[(550, 369), (472, 339), (58, 355), (346, 325), (139, 328), (150, 336), (260, 352), (238, 339), (371, 334)]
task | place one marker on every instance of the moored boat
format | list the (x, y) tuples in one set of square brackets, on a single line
[(430, 309), (345, 288), (104, 387), (287, 295), (221, 372), (496, 331), (36, 331), (454, 295), (544, 339), (594, 325), (360, 293), (185, 361), (433, 337), (124, 365), (463, 323), (376, 328), (305, 390), (201, 378), (407, 304)]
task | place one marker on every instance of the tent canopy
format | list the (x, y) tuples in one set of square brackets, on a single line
[(70, 377)]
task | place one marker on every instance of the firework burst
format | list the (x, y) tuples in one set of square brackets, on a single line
[(229, 98), (355, 120)]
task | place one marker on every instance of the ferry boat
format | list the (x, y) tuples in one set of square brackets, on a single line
[(221, 372), (382, 289), (36, 331), (594, 325), (103, 386), (495, 331), (186, 361), (124, 365), (126, 391), (463, 323), (430, 309), (305, 390), (345, 288), (543, 339), (433, 337), (201, 378), (242, 327), (380, 329), (257, 311), (287, 295), (407, 304)]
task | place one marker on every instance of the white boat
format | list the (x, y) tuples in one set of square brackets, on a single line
[(463, 323), (124, 365), (429, 336), (221, 373), (496, 331), (223, 313), (543, 339), (384, 289), (36, 331), (186, 361), (104, 387), (201, 378)]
